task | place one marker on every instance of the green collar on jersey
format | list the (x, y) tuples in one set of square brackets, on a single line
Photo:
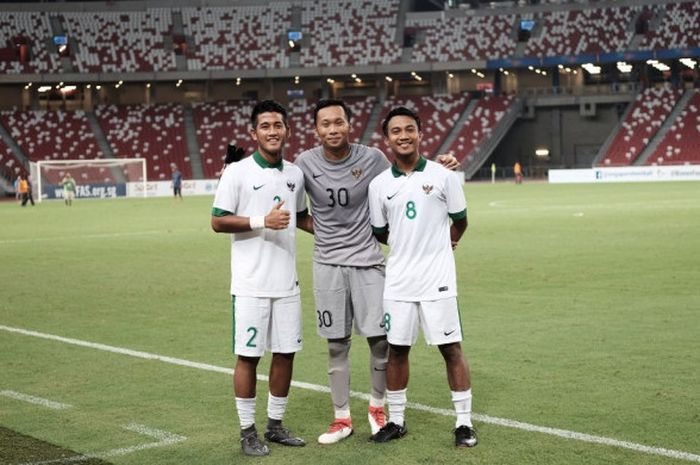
[(260, 160), (420, 166)]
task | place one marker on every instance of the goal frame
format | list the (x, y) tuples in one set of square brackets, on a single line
[(36, 170)]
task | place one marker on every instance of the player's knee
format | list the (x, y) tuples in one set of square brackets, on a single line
[(338, 348), (398, 353), (452, 353), (379, 346)]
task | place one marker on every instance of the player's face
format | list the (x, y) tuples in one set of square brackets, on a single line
[(333, 128), (270, 133), (403, 136)]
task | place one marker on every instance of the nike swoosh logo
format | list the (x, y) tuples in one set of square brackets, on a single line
[(446, 333), (316, 175), (389, 197), (379, 369), (298, 341), (257, 187)]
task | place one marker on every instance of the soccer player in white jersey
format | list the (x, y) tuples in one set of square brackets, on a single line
[(348, 262), (411, 205), (253, 202)]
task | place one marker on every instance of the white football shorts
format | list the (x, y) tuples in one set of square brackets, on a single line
[(439, 320)]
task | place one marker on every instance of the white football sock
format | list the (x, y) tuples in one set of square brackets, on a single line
[(462, 401)]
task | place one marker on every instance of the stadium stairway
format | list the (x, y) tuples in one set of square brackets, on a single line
[(192, 144), (103, 144), (459, 124), (178, 29), (16, 150), (372, 123), (57, 30), (663, 130), (611, 137), (481, 153)]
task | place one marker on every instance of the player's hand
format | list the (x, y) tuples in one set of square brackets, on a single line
[(277, 218), (448, 161), (233, 154)]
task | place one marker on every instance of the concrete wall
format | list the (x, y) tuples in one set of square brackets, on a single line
[(573, 140)]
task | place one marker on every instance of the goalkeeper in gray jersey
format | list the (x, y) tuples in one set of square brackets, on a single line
[(348, 261)]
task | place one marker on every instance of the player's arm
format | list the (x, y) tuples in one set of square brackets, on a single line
[(448, 161), (377, 215), (382, 234), (226, 222), (457, 230), (305, 223)]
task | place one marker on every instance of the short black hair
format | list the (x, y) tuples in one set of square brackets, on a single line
[(332, 102), (267, 106), (399, 111)]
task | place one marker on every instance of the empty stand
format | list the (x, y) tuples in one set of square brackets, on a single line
[(679, 28), (126, 41), (153, 132), (34, 27), (574, 32), (479, 125), (10, 166), (681, 142), (52, 135), (346, 33), (244, 37), (438, 116), (464, 38), (217, 124), (650, 110)]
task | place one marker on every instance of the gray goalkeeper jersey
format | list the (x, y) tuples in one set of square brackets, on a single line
[(338, 194)]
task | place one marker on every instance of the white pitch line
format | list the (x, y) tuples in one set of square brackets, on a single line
[(35, 400), (676, 454), (163, 438)]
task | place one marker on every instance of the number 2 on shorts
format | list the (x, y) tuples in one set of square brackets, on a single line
[(254, 332)]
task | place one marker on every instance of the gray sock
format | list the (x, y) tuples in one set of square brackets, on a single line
[(339, 375), (378, 357)]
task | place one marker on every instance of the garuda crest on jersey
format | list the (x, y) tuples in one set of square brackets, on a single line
[(291, 186), (356, 172), (427, 189)]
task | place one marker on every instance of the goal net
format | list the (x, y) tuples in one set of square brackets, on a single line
[(98, 178)]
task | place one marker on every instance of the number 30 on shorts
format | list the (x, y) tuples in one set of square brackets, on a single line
[(325, 319)]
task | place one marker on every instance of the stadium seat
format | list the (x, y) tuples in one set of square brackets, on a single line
[(153, 132), (650, 109), (486, 114), (10, 166), (464, 38), (346, 33), (680, 144), (679, 28), (217, 124), (35, 27), (127, 41), (52, 135), (244, 37), (584, 31)]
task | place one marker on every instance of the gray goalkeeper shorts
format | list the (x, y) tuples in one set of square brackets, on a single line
[(347, 293)]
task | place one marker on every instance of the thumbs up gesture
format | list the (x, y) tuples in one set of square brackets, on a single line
[(277, 218)]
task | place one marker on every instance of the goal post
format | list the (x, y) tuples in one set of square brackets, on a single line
[(99, 178)]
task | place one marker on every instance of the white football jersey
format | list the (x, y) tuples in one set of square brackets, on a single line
[(263, 262), (417, 209)]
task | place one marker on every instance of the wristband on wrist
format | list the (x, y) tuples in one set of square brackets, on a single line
[(257, 222)]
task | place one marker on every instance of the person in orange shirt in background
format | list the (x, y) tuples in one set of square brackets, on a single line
[(518, 170), (23, 190)]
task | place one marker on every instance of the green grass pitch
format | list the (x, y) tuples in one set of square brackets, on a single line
[(580, 306)]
